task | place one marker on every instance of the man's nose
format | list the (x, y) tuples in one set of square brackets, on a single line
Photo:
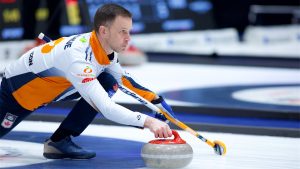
[(127, 37)]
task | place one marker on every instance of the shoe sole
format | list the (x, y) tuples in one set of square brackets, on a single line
[(67, 156)]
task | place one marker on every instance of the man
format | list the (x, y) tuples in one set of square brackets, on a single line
[(78, 66)]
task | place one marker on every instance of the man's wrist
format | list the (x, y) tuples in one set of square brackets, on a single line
[(148, 122)]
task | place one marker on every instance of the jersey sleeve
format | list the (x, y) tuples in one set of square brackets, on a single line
[(125, 79), (83, 77)]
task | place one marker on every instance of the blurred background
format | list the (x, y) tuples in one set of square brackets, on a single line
[(206, 28), (253, 34)]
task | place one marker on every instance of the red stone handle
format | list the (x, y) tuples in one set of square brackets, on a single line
[(177, 140)]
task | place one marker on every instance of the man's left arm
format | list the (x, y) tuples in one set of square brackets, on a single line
[(125, 79)]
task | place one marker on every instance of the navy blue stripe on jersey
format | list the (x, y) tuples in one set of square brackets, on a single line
[(86, 53), (73, 96), (136, 85), (18, 81), (91, 56), (62, 97), (50, 72)]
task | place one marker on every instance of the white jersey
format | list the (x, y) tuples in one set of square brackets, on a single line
[(67, 65)]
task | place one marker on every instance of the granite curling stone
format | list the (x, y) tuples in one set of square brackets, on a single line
[(167, 153)]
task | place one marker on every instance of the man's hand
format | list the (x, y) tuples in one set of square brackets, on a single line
[(160, 103), (159, 128)]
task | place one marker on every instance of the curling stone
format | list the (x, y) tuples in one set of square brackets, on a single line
[(167, 153), (132, 56)]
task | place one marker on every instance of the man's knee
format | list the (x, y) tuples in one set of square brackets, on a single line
[(11, 113), (109, 83)]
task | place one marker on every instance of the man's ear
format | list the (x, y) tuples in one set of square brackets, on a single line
[(102, 30)]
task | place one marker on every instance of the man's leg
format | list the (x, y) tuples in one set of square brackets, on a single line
[(77, 121), (11, 113), (10, 118)]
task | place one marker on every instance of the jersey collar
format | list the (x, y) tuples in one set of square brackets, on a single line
[(98, 51)]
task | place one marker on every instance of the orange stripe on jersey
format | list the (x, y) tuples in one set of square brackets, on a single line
[(148, 95), (98, 51), (40, 91), (49, 46)]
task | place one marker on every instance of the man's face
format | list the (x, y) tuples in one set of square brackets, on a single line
[(119, 33)]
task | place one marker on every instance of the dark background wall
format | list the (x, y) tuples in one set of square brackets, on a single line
[(149, 16), (234, 13)]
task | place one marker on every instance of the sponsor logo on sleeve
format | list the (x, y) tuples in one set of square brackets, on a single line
[(138, 117), (87, 72), (83, 40), (70, 42), (88, 79), (8, 120), (30, 60)]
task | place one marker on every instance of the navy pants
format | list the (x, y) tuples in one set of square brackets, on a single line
[(82, 114)]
